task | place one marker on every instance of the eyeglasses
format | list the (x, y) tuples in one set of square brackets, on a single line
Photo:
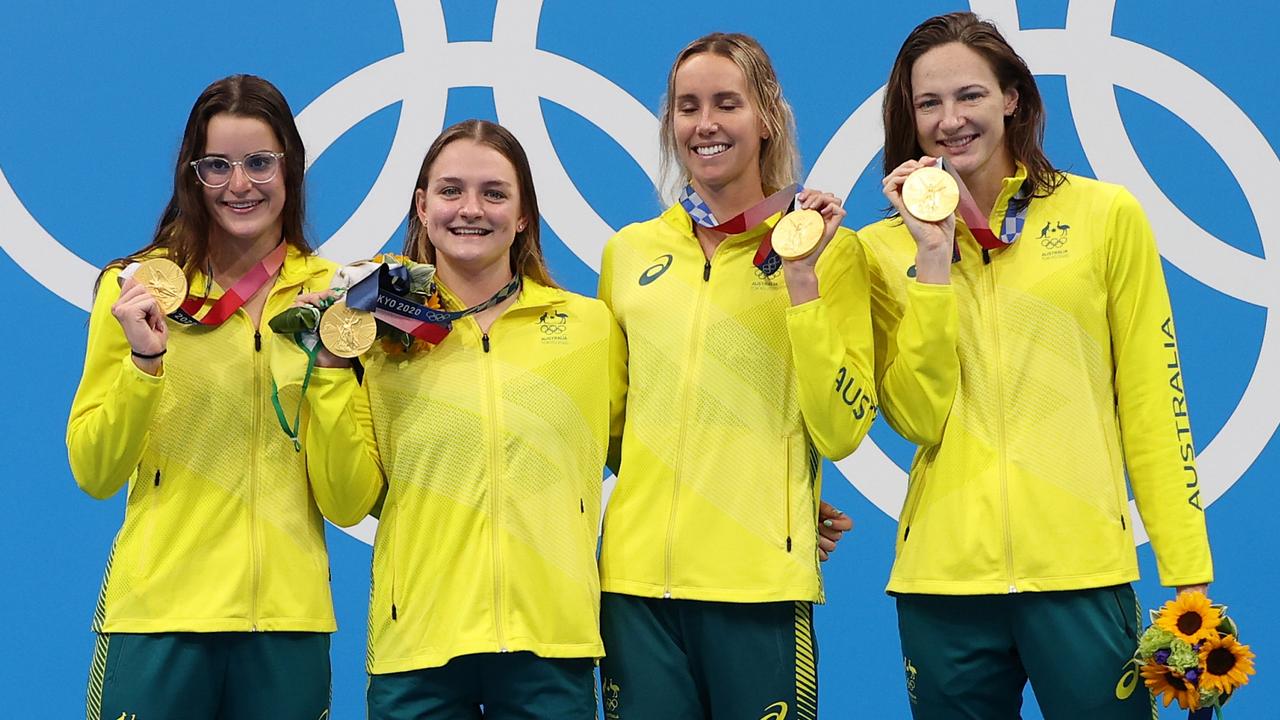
[(259, 167)]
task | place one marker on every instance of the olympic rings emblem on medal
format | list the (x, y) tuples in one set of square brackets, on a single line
[(1092, 59)]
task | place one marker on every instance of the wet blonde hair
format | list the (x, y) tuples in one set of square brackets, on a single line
[(779, 156)]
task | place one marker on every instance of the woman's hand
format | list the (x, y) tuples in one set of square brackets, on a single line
[(832, 525), (321, 300), (144, 325), (934, 241), (802, 280)]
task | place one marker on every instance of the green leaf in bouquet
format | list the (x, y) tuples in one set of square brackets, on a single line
[(296, 320)]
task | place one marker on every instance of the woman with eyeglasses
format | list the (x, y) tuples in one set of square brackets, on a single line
[(1015, 548), (744, 371), (215, 602), (483, 455)]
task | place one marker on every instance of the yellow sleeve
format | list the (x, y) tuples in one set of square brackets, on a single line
[(917, 362), (618, 357), (114, 405), (342, 455), (1151, 399), (831, 347)]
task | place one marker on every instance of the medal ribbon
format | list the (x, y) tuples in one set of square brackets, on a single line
[(232, 300), (383, 294), (978, 224), (766, 259), (311, 346)]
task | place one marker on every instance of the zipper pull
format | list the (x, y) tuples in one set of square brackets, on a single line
[(257, 341), (986, 256), (484, 340), (788, 543), (393, 611), (582, 506), (157, 477), (706, 271)]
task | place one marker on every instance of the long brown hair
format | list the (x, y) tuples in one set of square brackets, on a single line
[(526, 252), (779, 156), (183, 229), (1024, 130)]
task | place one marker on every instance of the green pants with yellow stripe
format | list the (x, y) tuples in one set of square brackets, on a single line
[(210, 676), (968, 657), (692, 659)]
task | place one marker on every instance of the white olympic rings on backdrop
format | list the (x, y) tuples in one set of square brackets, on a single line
[(1085, 52)]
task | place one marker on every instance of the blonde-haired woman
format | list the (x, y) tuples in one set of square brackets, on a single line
[(743, 371)]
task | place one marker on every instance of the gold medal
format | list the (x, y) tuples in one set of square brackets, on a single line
[(930, 194), (165, 281), (798, 233), (346, 332)]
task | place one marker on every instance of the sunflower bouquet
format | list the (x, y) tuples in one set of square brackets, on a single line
[(1191, 654)]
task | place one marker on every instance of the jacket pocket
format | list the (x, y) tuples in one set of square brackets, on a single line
[(915, 489), (787, 458), (143, 510), (394, 577)]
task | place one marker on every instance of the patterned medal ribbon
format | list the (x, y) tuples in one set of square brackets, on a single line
[(383, 294), (978, 223), (244, 288), (766, 259)]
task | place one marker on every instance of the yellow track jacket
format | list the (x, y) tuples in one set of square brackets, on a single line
[(1063, 365), (734, 396), (491, 450), (220, 529)]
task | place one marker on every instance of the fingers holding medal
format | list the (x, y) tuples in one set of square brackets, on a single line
[(803, 233), (922, 190), (930, 193), (164, 280)]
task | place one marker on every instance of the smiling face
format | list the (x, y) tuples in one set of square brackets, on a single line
[(242, 211), (960, 111), (470, 208), (717, 129)]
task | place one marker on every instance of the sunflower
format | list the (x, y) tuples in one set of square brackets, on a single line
[(1171, 686), (1190, 617), (1227, 664)]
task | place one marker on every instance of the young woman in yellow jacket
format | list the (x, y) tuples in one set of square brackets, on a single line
[(485, 452), (744, 371), (216, 598), (1052, 376)]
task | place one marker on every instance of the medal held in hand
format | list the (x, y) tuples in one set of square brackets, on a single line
[(347, 332), (165, 281), (930, 194), (798, 233)]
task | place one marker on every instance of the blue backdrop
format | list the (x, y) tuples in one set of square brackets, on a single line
[(1176, 100)]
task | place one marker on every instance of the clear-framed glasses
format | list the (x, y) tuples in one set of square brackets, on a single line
[(215, 171)]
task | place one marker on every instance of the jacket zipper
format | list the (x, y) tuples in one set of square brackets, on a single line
[(255, 565), (994, 324), (495, 496), (694, 344)]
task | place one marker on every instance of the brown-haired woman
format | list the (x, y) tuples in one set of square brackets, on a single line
[(216, 597), (1030, 399), (488, 448), (744, 370)]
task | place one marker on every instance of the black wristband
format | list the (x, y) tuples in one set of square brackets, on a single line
[(144, 356)]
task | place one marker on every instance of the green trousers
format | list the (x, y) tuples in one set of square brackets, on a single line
[(690, 660), (968, 657), (495, 686), (210, 676)]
